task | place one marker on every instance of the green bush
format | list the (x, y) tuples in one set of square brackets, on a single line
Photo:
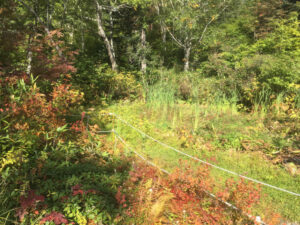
[(101, 83)]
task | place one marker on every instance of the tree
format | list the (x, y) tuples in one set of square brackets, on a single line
[(144, 15), (109, 43), (187, 22)]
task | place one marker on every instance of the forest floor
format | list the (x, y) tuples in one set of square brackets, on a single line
[(258, 145)]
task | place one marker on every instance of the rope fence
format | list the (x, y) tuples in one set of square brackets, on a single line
[(118, 136), (115, 116), (257, 218), (202, 161)]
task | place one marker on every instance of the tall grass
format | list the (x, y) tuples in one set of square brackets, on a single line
[(162, 93), (223, 103), (202, 93)]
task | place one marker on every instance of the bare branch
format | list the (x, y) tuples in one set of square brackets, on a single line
[(204, 30), (173, 37), (211, 20)]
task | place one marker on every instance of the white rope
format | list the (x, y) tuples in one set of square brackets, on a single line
[(257, 218), (139, 155), (202, 161)]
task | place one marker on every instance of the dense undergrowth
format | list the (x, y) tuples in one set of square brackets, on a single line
[(56, 169)]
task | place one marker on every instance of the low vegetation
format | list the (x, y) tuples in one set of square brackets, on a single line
[(216, 81), (240, 142), (56, 169)]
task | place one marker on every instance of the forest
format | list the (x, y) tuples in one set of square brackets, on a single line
[(149, 112)]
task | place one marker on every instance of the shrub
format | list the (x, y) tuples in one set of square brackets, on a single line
[(104, 84), (33, 119), (149, 198), (216, 66)]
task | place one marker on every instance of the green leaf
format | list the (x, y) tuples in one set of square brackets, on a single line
[(62, 129)]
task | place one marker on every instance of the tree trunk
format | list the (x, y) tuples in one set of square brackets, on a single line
[(81, 32), (163, 33), (71, 35), (29, 60), (63, 21), (163, 36), (82, 40), (29, 57), (143, 56), (187, 53), (49, 14), (102, 34), (111, 40)]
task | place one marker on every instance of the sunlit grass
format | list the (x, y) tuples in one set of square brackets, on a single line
[(221, 131)]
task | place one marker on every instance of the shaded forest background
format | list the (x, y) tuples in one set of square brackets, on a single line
[(251, 47)]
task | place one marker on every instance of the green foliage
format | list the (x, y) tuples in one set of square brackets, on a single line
[(273, 73), (105, 85), (240, 101), (252, 144), (59, 172), (258, 71), (284, 40), (52, 170)]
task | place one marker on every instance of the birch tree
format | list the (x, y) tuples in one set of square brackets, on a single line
[(187, 22), (142, 8), (103, 34), (106, 26)]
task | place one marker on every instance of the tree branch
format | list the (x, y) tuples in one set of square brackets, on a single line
[(173, 37), (206, 26), (44, 25)]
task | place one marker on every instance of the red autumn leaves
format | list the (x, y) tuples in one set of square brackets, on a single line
[(30, 203)]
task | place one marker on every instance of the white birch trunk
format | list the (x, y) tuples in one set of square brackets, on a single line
[(187, 53), (102, 34), (143, 57), (29, 57), (163, 36), (29, 60)]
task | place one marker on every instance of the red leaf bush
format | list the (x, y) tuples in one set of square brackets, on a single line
[(149, 197), (56, 217), (28, 203)]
